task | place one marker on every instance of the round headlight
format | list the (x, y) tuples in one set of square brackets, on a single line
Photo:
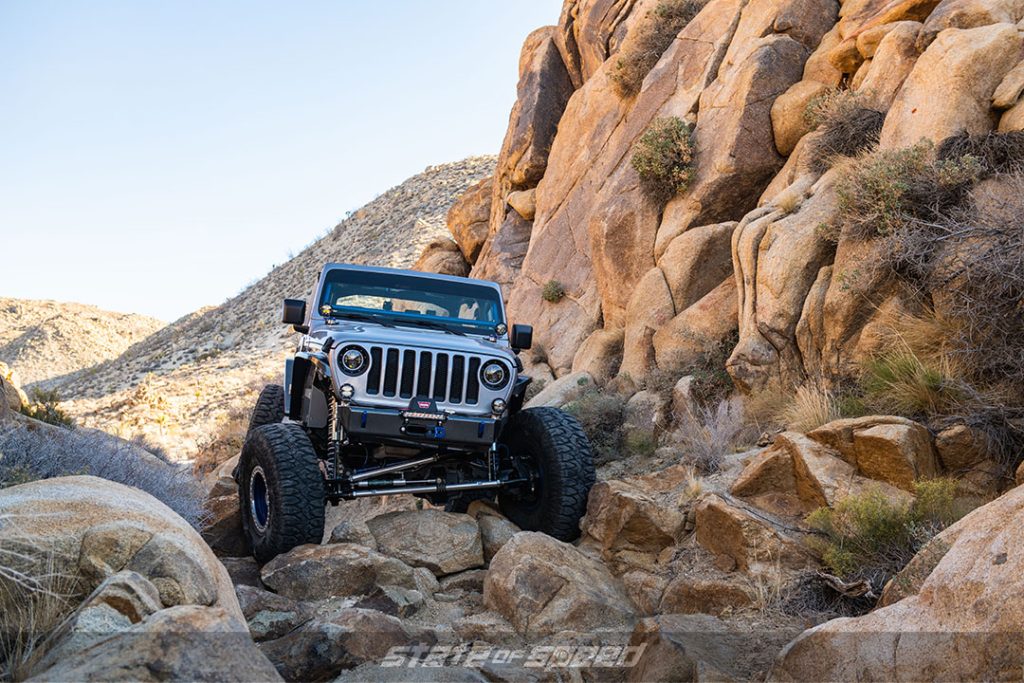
[(494, 375), (353, 360)]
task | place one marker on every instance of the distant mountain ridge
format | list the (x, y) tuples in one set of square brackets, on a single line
[(50, 342)]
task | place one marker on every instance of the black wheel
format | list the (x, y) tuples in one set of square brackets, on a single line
[(269, 408), (281, 490), (550, 447)]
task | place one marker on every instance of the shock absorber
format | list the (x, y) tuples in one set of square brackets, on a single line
[(333, 437)]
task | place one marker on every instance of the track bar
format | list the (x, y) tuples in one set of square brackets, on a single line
[(397, 467), (467, 486)]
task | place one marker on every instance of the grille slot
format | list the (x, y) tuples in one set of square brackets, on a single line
[(373, 374), (441, 377), (391, 373), (426, 367), (473, 381), (408, 373), (458, 378)]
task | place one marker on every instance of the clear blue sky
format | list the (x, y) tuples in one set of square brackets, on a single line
[(155, 157)]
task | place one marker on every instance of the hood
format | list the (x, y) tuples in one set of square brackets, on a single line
[(366, 333)]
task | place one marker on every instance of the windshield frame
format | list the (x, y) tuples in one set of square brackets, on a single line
[(325, 309)]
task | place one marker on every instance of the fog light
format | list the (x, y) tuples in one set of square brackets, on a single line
[(500, 329), (347, 391), (497, 406)]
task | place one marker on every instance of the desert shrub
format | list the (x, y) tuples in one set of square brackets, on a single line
[(995, 152), (893, 190), (30, 454), (847, 127), (975, 256), (653, 35), (663, 157), (940, 230), (553, 292), (708, 433), (639, 442), (601, 414), (871, 537), (44, 406)]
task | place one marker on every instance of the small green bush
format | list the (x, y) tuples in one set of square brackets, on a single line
[(889, 190), (601, 414), (870, 537), (554, 291), (663, 157), (642, 50), (45, 407), (639, 443)]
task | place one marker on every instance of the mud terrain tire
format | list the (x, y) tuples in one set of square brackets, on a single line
[(557, 448), (281, 490), (269, 408)]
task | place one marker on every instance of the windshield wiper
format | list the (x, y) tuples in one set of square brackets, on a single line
[(364, 317), (434, 326)]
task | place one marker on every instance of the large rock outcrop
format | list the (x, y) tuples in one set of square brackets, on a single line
[(544, 586), (963, 622), (158, 604)]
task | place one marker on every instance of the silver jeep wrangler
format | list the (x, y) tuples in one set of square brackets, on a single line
[(406, 382)]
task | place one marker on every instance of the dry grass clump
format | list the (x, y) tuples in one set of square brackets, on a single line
[(663, 157), (31, 454), (815, 404), (870, 537), (847, 127), (902, 383), (890, 191), (34, 599), (644, 47)]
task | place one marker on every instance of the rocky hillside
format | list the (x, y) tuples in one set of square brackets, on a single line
[(51, 342), (177, 386), (767, 101)]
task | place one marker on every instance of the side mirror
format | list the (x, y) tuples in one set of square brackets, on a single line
[(521, 337), (294, 312)]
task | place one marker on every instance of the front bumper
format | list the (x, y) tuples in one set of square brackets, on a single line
[(384, 424)]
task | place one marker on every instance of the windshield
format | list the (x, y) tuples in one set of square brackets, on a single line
[(407, 299)]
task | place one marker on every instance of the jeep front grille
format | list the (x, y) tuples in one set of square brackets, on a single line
[(445, 377)]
